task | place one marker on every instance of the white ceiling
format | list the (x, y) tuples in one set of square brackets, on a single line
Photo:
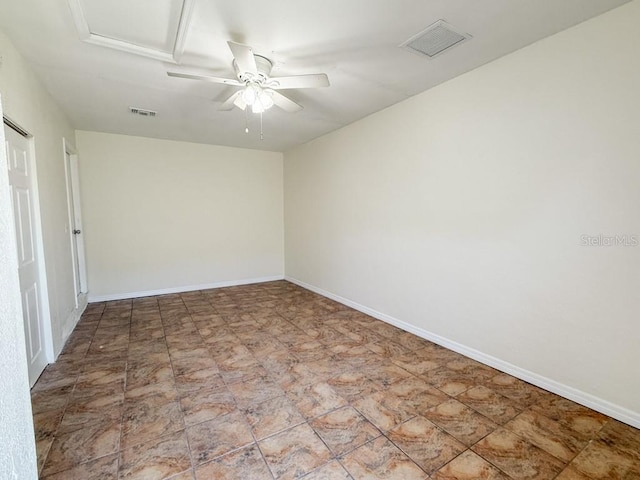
[(354, 41)]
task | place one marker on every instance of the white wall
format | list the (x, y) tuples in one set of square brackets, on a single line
[(162, 215), (17, 444), (460, 212), (30, 106)]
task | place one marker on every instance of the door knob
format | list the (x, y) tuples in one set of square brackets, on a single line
[(77, 232)]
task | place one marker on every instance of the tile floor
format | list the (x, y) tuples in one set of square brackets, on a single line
[(272, 381)]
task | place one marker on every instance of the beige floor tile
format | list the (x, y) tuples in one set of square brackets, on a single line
[(352, 385), (383, 410), (469, 466), (414, 364), (515, 389), (582, 420), (206, 379), (53, 399), (599, 460), (621, 437), (381, 459), (144, 421), (450, 381), (104, 468), (344, 430), (243, 464), (85, 410), (416, 396), (546, 434), (570, 473), (201, 405), (316, 399), (157, 459), (294, 452), (460, 421), (516, 457), (331, 471), (161, 392), (154, 373), (272, 416), (255, 391), (79, 446), (492, 405), (425, 443), (216, 437), (236, 379)]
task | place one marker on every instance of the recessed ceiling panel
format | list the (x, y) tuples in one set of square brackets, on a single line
[(150, 28), (146, 23)]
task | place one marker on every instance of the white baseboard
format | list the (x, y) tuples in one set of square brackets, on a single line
[(598, 404), (190, 288)]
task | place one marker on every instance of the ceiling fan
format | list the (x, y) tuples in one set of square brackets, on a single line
[(259, 89)]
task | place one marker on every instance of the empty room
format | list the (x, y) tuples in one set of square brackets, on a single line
[(356, 239)]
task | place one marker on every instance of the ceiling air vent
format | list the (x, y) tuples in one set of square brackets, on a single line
[(142, 112), (437, 38)]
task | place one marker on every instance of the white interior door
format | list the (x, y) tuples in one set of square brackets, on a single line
[(22, 181), (75, 220)]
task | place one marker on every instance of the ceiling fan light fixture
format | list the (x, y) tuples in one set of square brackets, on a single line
[(240, 103), (251, 93), (265, 99), (257, 107)]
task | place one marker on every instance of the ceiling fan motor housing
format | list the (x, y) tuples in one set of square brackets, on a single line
[(264, 66)]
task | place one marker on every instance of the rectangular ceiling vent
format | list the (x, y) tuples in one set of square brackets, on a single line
[(436, 39), (142, 112)]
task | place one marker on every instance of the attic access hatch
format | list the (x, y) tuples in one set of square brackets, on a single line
[(151, 28), (436, 39)]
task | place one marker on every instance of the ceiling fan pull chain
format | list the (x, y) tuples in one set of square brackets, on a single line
[(246, 121), (261, 135)]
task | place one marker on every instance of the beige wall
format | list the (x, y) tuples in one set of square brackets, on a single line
[(17, 445), (460, 212), (163, 215), (29, 105)]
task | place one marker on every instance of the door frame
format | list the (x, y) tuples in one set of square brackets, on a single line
[(39, 239), (74, 213)]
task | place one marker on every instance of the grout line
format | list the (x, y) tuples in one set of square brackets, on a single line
[(124, 390)]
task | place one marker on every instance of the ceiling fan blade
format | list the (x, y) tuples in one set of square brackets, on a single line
[(230, 102), (284, 103), (299, 81), (244, 58), (207, 78)]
